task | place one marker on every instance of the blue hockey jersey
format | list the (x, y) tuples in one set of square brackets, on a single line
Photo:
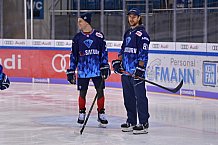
[(134, 48), (88, 53)]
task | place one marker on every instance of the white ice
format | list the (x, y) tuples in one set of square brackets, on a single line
[(46, 114)]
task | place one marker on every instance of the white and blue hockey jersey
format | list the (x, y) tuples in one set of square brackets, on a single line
[(134, 48), (88, 54)]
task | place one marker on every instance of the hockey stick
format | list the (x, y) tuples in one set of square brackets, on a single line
[(174, 90), (90, 110)]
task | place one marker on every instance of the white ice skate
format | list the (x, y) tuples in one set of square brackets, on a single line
[(82, 115), (102, 118)]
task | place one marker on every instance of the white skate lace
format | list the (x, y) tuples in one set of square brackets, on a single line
[(82, 116), (102, 116)]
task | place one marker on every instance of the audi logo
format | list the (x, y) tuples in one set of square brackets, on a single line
[(109, 44), (36, 42), (215, 47), (60, 43), (9, 42), (59, 62), (41, 43), (183, 46), (155, 45)]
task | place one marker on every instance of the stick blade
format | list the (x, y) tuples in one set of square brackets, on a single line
[(178, 87), (81, 132)]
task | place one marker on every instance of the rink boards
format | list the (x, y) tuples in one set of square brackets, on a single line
[(45, 61)]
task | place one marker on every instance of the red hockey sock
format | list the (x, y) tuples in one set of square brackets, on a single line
[(82, 103), (100, 103)]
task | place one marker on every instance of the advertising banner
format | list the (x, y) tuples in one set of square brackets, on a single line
[(194, 47), (196, 72), (163, 46), (46, 61), (210, 73), (41, 63)]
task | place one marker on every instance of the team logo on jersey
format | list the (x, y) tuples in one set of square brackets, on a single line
[(145, 46), (99, 34), (91, 52), (139, 33), (128, 39), (88, 42)]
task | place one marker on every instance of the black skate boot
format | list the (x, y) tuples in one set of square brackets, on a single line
[(141, 129), (82, 115), (127, 127), (102, 118)]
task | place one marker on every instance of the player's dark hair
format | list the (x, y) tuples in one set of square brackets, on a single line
[(140, 21)]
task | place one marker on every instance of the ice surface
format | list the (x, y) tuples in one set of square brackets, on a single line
[(46, 114)]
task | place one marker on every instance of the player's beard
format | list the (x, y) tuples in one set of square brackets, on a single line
[(133, 23)]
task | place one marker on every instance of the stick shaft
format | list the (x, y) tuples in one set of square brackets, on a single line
[(90, 110), (87, 118), (173, 90)]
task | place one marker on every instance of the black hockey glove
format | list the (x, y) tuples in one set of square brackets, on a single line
[(71, 76), (105, 71), (117, 66), (4, 82), (139, 72)]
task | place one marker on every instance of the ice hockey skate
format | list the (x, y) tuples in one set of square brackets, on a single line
[(141, 129), (82, 115), (127, 127), (102, 118)]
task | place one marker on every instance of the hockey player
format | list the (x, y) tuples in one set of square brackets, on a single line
[(89, 55), (131, 64), (4, 81)]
